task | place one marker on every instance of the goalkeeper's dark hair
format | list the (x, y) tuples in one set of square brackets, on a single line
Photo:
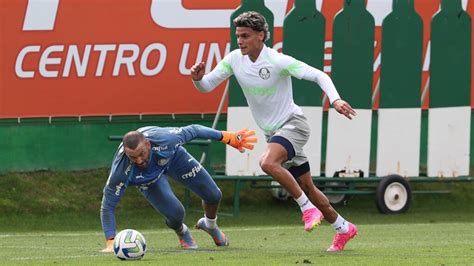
[(132, 139), (253, 20)]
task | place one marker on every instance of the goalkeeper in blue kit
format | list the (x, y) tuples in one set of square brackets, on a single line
[(146, 156)]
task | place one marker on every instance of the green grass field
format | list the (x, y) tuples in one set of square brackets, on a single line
[(53, 219), (394, 244)]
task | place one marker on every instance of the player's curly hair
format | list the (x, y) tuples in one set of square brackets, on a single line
[(253, 20)]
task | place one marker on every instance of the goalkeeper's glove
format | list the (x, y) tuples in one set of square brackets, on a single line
[(109, 246), (240, 140)]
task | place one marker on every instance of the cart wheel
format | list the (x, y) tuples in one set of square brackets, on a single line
[(393, 195), (336, 199)]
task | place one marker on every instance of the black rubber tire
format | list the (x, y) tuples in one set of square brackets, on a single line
[(336, 199), (393, 195)]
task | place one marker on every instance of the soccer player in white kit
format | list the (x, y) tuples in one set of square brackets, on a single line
[(265, 78)]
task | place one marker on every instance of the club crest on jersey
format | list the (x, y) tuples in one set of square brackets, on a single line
[(163, 161), (264, 73)]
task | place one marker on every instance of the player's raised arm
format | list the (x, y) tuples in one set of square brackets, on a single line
[(208, 82), (301, 70), (197, 71)]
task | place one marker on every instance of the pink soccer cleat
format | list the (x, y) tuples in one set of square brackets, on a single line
[(340, 240), (311, 218)]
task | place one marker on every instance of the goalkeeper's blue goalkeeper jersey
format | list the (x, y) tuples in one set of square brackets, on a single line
[(164, 144)]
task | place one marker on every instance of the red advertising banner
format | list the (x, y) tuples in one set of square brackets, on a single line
[(102, 57)]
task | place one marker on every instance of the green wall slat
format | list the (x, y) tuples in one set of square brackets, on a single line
[(66, 144), (450, 67), (402, 53), (236, 96), (353, 53), (303, 38), (21, 148)]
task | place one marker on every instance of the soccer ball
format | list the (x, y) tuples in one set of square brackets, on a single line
[(129, 244), (279, 192)]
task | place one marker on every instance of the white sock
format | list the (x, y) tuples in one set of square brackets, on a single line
[(340, 225), (304, 202), (210, 223), (183, 230)]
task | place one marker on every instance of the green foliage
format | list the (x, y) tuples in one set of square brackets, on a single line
[(46, 192)]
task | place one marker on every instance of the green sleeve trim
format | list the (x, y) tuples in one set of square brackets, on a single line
[(293, 69), (226, 68)]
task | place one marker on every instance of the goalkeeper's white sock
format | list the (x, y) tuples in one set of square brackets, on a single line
[(210, 223), (304, 203), (183, 230), (340, 225)]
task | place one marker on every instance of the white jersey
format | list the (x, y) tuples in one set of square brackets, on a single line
[(266, 84)]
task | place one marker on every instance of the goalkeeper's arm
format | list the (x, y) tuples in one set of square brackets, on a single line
[(113, 191), (107, 217), (241, 140)]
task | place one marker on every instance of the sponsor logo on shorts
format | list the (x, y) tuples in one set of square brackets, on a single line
[(196, 169)]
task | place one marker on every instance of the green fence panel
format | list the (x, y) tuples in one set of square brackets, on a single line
[(22, 147), (303, 38), (402, 50), (67, 144), (353, 53), (450, 56), (236, 96)]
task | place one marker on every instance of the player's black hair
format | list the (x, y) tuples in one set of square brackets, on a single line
[(253, 20), (132, 139)]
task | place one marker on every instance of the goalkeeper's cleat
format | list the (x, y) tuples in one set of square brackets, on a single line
[(312, 218), (340, 240), (109, 246), (217, 235), (186, 240)]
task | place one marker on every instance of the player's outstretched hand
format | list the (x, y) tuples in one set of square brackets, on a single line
[(109, 246), (240, 140), (344, 108), (197, 71)]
